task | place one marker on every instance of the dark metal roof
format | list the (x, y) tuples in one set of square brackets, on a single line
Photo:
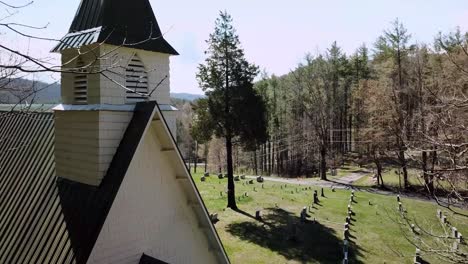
[(145, 259), (76, 40), (120, 22), (45, 219)]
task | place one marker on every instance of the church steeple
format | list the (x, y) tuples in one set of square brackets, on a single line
[(116, 22), (113, 57)]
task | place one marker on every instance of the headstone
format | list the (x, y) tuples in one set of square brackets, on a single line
[(236, 178), (417, 256), (214, 218), (242, 177), (460, 238), (346, 225), (333, 189), (346, 233), (322, 193), (251, 182), (454, 232), (439, 213), (304, 215), (246, 194), (220, 176), (398, 198), (400, 207), (444, 219), (413, 228), (207, 174), (316, 200), (258, 215), (203, 179), (348, 219), (455, 246), (260, 179), (221, 194)]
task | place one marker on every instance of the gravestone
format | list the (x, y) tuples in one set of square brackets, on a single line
[(260, 179), (207, 174), (258, 215), (444, 219), (236, 178), (251, 182), (316, 200), (220, 176), (246, 194), (348, 219), (304, 215), (460, 238), (322, 193), (398, 198), (439, 214), (214, 218), (454, 232), (242, 177), (346, 225), (203, 179), (400, 207), (346, 233), (417, 256), (221, 194), (333, 189)]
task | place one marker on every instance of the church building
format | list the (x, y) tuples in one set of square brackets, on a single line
[(99, 178)]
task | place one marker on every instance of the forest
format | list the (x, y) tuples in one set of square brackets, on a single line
[(395, 104)]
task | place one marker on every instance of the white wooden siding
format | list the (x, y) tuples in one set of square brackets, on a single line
[(151, 215), (86, 141)]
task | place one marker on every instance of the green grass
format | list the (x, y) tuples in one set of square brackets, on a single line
[(377, 237)]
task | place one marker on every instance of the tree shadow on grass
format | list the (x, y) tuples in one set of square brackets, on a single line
[(282, 232)]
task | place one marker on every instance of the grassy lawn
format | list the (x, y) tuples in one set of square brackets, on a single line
[(376, 235)]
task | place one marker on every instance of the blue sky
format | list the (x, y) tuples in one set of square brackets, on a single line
[(274, 34)]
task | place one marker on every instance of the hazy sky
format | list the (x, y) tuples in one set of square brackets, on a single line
[(275, 34)]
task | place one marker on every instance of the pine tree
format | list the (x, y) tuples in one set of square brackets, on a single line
[(234, 109)]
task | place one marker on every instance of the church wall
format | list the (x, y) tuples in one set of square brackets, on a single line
[(151, 215)]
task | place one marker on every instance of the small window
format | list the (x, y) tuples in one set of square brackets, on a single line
[(80, 84), (136, 81)]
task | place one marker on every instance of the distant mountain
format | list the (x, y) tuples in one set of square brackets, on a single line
[(187, 96), (35, 91)]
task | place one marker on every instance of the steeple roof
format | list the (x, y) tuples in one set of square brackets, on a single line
[(117, 22)]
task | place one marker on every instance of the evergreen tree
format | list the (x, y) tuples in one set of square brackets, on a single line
[(233, 110)]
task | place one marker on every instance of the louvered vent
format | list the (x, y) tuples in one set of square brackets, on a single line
[(136, 81), (81, 84)]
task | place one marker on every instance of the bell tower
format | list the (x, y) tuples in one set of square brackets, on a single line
[(113, 57)]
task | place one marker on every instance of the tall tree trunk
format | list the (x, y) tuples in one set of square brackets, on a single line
[(428, 177), (255, 162), (269, 158), (231, 187), (323, 162), (206, 156), (404, 167), (195, 158)]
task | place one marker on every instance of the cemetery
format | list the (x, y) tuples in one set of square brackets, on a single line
[(289, 223)]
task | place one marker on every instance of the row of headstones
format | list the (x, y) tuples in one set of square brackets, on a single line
[(236, 178), (346, 232), (456, 235), (304, 214)]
